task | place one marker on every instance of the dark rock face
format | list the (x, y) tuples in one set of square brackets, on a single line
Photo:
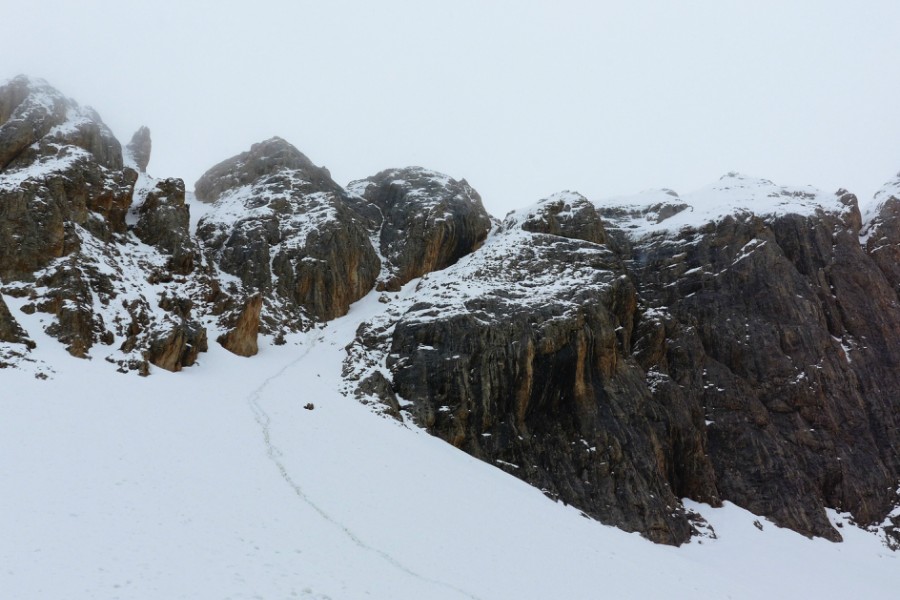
[(780, 330), (10, 330), (60, 168), (426, 221), (537, 377), (751, 359), (265, 159), (568, 215), (40, 217), (14, 341), (164, 221), (139, 148), (883, 233), (621, 358), (69, 297), (37, 122), (282, 226)]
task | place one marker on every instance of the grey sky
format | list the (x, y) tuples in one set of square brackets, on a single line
[(521, 98)]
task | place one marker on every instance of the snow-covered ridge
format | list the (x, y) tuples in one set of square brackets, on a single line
[(426, 180), (566, 199), (67, 157), (664, 211), (891, 189), (273, 196), (871, 210), (496, 270)]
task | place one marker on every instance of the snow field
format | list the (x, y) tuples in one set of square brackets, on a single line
[(216, 483)]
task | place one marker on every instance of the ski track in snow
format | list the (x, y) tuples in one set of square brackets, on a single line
[(274, 454)]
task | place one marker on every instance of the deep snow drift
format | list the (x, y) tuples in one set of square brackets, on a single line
[(216, 482)]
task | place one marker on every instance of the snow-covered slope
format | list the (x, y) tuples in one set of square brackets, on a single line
[(217, 483), (661, 211)]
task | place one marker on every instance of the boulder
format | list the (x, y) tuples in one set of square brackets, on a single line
[(178, 347)]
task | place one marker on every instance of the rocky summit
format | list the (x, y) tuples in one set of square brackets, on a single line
[(740, 343)]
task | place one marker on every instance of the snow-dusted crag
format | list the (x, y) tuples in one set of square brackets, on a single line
[(283, 227), (423, 221), (520, 354), (739, 343), (73, 225)]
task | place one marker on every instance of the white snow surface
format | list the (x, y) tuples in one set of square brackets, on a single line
[(12, 179), (216, 483), (732, 194)]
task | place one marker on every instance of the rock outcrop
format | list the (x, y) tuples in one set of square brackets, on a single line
[(520, 354), (14, 341), (425, 220), (241, 338), (37, 123), (738, 344), (177, 348), (10, 330), (65, 239), (762, 320), (287, 230), (60, 170), (882, 234), (568, 215), (140, 148), (164, 221)]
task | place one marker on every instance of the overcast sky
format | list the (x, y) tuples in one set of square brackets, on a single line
[(520, 98)]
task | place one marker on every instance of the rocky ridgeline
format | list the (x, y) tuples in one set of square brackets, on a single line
[(739, 343)]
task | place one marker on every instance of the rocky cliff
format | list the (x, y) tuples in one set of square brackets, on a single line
[(72, 220), (425, 221), (736, 344), (741, 343), (287, 230)]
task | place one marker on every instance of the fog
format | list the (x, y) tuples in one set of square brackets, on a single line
[(521, 98)]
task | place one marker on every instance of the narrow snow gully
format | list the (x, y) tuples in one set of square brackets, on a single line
[(275, 454)]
